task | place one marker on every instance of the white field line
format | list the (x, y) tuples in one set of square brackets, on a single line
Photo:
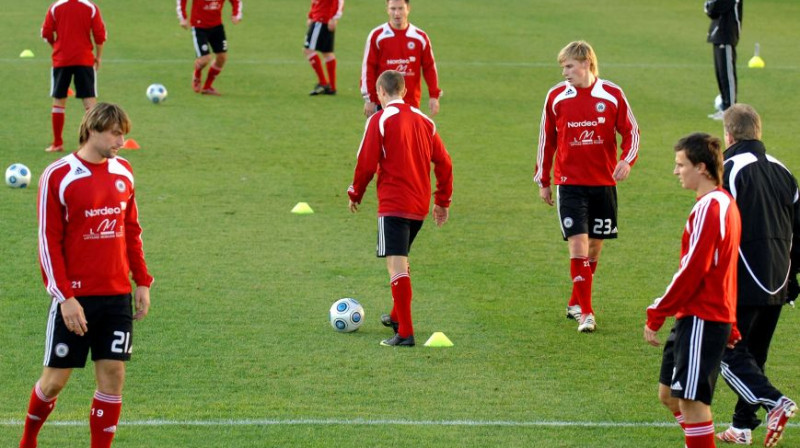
[(302, 61), (360, 422)]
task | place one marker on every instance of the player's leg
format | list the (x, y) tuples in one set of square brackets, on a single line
[(60, 78), (86, 86), (219, 44), (111, 341), (725, 71), (698, 424), (310, 50), (330, 65), (107, 401), (203, 56), (42, 402), (395, 236), (573, 209), (665, 379)]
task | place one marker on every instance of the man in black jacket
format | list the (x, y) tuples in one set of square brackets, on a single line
[(767, 196), (726, 24)]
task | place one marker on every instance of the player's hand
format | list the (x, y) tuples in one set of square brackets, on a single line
[(370, 108), (141, 300), (353, 206), (433, 105), (651, 336), (734, 337), (332, 25), (546, 193), (622, 170), (440, 215), (184, 24), (96, 64), (236, 20), (72, 313)]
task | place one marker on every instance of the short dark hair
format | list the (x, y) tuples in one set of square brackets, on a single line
[(392, 81), (703, 148), (101, 118)]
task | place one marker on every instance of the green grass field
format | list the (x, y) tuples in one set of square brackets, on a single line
[(237, 350)]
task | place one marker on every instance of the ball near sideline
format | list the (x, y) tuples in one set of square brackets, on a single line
[(718, 103), (346, 315), (18, 176), (156, 93)]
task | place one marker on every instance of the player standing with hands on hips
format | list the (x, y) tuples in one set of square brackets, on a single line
[(702, 294), (399, 144), (89, 247), (398, 45), (322, 20), (580, 121), (207, 30), (69, 28)]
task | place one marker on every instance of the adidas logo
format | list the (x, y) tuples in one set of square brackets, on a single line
[(79, 170), (614, 230), (578, 279), (111, 429), (676, 386)]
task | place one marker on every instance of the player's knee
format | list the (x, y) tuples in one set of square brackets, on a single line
[(219, 59), (51, 385)]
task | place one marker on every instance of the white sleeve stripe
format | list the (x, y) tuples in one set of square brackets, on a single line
[(44, 249)]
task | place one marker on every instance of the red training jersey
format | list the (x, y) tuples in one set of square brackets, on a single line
[(70, 26), (409, 52), (208, 13), (579, 126), (89, 233), (705, 284), (325, 10), (399, 144)]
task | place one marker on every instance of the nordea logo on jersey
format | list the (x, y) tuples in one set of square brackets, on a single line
[(581, 124), (103, 211)]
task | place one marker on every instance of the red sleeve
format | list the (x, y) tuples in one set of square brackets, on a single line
[(98, 28), (628, 130), (337, 8), (182, 10), (367, 160), (51, 238), (48, 28), (133, 243), (548, 142), (443, 169), (369, 70), (237, 8), (429, 70), (695, 263)]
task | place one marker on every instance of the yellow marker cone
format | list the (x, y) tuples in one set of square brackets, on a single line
[(26, 54), (756, 61), (302, 208), (438, 339)]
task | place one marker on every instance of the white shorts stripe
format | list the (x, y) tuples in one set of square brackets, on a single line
[(695, 345), (49, 334), (312, 43), (381, 238), (558, 210), (196, 44)]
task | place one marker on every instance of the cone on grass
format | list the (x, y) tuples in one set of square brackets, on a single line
[(756, 61), (70, 92), (302, 208), (130, 144), (438, 339), (26, 53)]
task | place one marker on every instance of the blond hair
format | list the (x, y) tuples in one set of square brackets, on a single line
[(741, 122), (580, 51)]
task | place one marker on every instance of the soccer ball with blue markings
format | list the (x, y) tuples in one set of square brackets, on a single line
[(718, 103), (157, 93), (18, 176), (346, 315)]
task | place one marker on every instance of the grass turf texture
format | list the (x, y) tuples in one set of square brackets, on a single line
[(238, 328)]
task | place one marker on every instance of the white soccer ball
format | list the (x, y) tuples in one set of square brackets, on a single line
[(346, 315), (18, 176), (718, 103), (156, 93)]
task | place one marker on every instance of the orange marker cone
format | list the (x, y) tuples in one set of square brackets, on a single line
[(130, 144), (70, 92)]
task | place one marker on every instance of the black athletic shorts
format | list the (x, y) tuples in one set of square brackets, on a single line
[(591, 210), (319, 37), (692, 355), (85, 81), (395, 235), (110, 324), (209, 37)]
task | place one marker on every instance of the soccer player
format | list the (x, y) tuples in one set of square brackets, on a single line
[(580, 121), (723, 34), (69, 27), (322, 20), (702, 294), (89, 247), (399, 144), (208, 31), (767, 196), (398, 45)]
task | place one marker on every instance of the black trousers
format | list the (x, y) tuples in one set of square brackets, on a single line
[(725, 69), (743, 366)]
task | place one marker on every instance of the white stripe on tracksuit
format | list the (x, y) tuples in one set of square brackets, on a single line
[(695, 345), (742, 390), (381, 238)]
